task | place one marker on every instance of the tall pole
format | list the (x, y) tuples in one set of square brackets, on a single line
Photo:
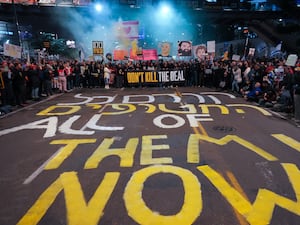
[(16, 22)]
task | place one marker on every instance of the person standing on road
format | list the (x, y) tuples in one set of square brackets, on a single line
[(62, 80), (7, 94), (69, 76), (48, 76), (19, 84), (35, 81), (236, 78), (107, 73)]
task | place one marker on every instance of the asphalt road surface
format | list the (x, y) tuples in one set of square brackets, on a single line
[(148, 156)]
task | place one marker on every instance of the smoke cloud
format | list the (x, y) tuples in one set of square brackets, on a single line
[(87, 25)]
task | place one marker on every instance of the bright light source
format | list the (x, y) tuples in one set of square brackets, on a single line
[(165, 9), (98, 7), (7, 42)]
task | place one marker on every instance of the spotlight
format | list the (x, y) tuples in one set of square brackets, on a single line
[(165, 9), (98, 7)]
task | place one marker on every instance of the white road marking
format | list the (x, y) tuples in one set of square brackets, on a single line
[(40, 169)]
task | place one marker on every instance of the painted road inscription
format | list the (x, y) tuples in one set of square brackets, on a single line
[(139, 154)]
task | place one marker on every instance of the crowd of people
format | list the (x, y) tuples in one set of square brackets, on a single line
[(269, 82)]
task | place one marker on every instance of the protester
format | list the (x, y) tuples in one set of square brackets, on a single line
[(18, 84), (34, 79), (62, 80), (107, 73), (48, 76), (254, 94), (268, 82), (237, 78)]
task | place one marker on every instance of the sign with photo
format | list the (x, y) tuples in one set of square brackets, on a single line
[(97, 47), (164, 49), (184, 48)]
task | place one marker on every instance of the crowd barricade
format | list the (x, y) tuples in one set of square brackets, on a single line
[(155, 77)]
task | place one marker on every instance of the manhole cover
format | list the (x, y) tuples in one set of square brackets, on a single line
[(224, 129)]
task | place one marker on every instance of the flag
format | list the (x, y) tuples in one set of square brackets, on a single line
[(131, 29), (276, 50)]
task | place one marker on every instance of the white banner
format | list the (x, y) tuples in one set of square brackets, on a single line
[(211, 46), (46, 1), (12, 50), (291, 60)]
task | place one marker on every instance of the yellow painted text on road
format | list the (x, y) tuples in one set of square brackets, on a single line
[(138, 210), (288, 141), (193, 149), (78, 210), (261, 211)]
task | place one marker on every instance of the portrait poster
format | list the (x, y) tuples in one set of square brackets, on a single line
[(200, 52), (184, 48), (165, 49)]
